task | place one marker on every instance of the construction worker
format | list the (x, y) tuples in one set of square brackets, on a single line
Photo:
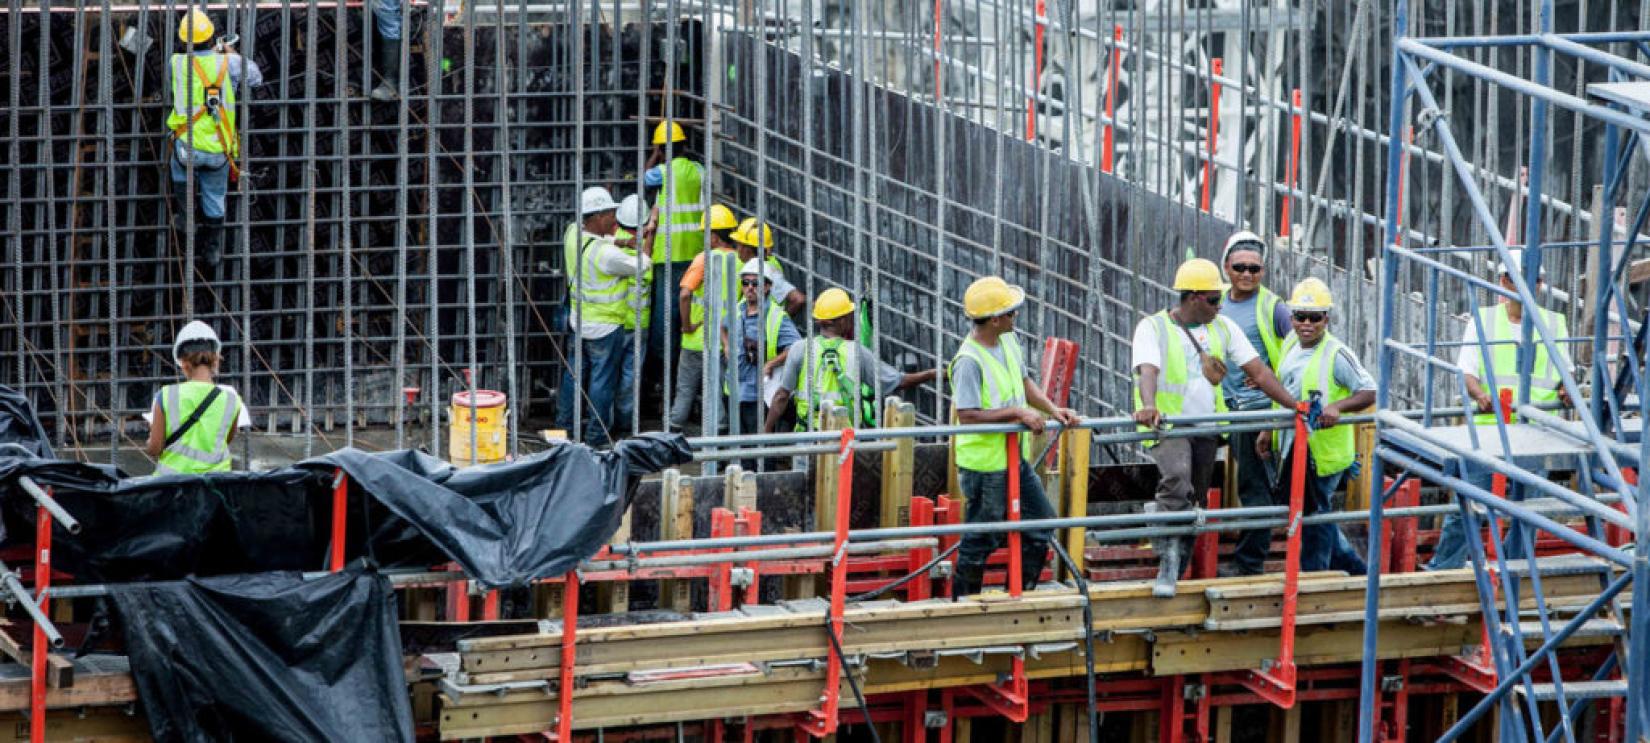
[(757, 237), (832, 365), (1501, 323), (990, 384), (386, 18), (690, 365), (1165, 345), (766, 336), (679, 209), (597, 308), (632, 232), (191, 423), (1264, 320), (205, 142), (1316, 366)]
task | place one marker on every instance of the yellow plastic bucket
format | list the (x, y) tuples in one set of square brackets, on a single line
[(488, 423)]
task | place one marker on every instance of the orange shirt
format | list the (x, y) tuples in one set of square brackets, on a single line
[(694, 277)]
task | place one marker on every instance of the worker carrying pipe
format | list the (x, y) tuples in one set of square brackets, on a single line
[(1496, 360), (1165, 346), (1315, 365), (204, 138), (990, 384), (192, 423), (836, 369), (1264, 319)]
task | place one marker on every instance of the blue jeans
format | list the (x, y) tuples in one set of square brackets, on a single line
[(1323, 546), (211, 178), (603, 361), (386, 15), (624, 402), (1451, 551), (987, 494)]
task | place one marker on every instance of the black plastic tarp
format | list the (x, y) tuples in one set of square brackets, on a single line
[(269, 657), (20, 428), (504, 524)]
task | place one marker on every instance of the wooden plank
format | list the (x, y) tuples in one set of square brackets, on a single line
[(738, 489), (59, 670), (75, 725), (1074, 459), (1223, 724), (834, 418), (613, 596), (1179, 653), (100, 680), (898, 465)]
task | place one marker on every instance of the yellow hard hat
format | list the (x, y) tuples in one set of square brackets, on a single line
[(1199, 275), (675, 132), (832, 304), (195, 28), (746, 234), (719, 218), (991, 296), (1311, 294)]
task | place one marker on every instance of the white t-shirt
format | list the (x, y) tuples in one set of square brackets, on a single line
[(1200, 395), (1471, 359)]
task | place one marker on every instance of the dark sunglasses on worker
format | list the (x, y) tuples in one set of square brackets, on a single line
[(1212, 298), (747, 282), (1247, 268), (1311, 317)]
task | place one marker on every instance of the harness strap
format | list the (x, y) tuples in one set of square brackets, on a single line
[(226, 130)]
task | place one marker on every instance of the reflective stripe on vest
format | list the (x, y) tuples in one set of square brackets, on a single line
[(1174, 379), (637, 290), (695, 341), (594, 296), (1002, 385), (205, 446), (1503, 371), (681, 204), (200, 128), (837, 362), (1265, 308), (1333, 448)]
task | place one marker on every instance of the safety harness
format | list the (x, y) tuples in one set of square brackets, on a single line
[(211, 107)]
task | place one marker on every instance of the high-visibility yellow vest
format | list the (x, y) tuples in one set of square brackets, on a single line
[(1265, 307), (195, 80), (695, 341), (681, 234), (829, 373), (205, 446), (1002, 385), (1174, 379), (1503, 371), (636, 290), (593, 295), (1333, 449)]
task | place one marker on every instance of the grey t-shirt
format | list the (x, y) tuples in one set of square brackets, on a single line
[(1239, 395), (870, 368), (966, 379)]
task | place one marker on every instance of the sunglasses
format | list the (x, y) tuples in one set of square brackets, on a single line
[(747, 282), (1312, 317), (1212, 299), (1254, 268)]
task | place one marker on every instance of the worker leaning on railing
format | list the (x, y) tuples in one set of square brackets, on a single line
[(989, 384), (1164, 345), (1315, 365)]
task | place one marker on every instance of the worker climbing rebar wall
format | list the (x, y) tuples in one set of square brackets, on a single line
[(382, 252)]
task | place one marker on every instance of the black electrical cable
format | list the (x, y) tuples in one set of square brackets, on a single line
[(1088, 637), (875, 592), (836, 647)]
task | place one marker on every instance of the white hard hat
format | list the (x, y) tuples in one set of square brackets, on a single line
[(196, 330), (1517, 265), (755, 267), (631, 212), (595, 200), (1243, 240)]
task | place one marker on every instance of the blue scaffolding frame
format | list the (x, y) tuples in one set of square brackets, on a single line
[(1595, 446)]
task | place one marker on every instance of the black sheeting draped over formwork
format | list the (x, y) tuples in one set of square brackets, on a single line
[(268, 657), (504, 524)]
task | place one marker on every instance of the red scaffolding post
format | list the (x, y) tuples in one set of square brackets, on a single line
[(1036, 70), (1294, 160), (1107, 143), (1275, 681), (1216, 66), (340, 518), (569, 631), (823, 721), (939, 49), (1011, 698), (42, 584)]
